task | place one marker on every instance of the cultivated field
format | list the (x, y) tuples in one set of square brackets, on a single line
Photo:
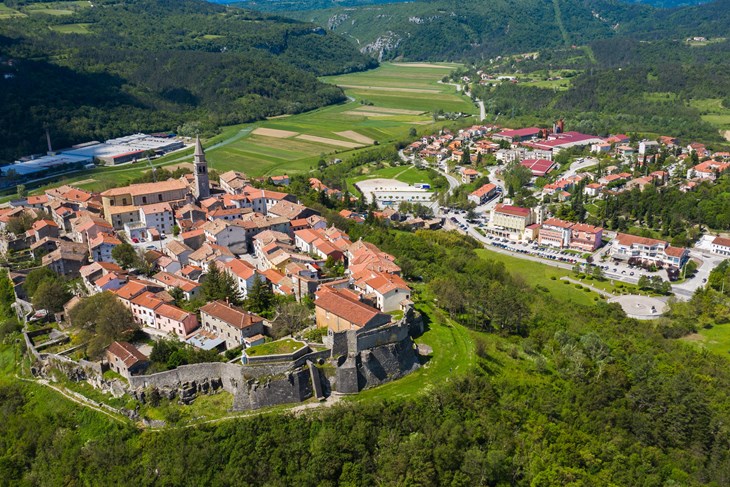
[(387, 102)]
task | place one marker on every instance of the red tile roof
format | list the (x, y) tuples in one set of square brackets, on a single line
[(127, 353), (512, 210), (344, 304), (235, 317)]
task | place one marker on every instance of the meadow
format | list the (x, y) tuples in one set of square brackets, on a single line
[(713, 112)]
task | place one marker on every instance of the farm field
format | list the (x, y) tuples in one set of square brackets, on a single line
[(387, 102), (7, 12), (71, 28)]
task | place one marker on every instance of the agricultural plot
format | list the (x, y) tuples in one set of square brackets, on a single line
[(387, 102), (8, 13)]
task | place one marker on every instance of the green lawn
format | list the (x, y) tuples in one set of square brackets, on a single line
[(715, 339), (536, 273), (712, 112), (275, 348), (453, 354), (8, 13)]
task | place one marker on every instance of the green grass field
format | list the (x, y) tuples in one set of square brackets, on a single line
[(536, 273), (8, 13), (715, 339), (712, 112), (375, 113), (71, 28)]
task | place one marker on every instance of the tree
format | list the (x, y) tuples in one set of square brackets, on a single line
[(597, 273), (51, 294), (125, 255), (20, 224), (260, 298), (290, 317), (102, 319), (35, 278), (412, 132), (220, 285), (21, 191)]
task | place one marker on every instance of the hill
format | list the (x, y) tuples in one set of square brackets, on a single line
[(152, 65), (448, 29)]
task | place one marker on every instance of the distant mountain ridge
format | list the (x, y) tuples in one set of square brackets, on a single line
[(299, 5)]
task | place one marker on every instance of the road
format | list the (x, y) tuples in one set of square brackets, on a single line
[(580, 165)]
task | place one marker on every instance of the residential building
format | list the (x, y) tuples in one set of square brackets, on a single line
[(230, 323), (721, 246), (158, 216), (511, 221), (341, 310), (483, 194), (585, 238), (555, 233), (173, 320), (125, 359), (100, 247)]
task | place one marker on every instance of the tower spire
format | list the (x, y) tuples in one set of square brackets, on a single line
[(200, 171)]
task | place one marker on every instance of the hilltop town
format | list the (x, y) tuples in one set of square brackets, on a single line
[(201, 263)]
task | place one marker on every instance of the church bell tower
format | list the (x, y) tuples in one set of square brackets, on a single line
[(202, 185)]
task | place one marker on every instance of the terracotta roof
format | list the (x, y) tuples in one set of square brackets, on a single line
[(127, 353), (724, 242), (235, 317), (155, 208), (240, 268), (172, 312), (172, 280), (628, 240), (584, 227), (147, 188), (512, 210), (675, 251), (344, 304), (147, 300), (555, 222), (486, 189)]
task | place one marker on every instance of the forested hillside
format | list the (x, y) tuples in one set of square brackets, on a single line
[(453, 30), (149, 65)]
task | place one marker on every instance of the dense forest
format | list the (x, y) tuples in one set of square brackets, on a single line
[(564, 395), (151, 65)]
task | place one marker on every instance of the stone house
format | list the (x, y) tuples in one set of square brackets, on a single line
[(230, 323)]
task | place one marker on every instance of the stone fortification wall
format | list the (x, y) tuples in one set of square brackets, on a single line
[(231, 376), (292, 387)]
